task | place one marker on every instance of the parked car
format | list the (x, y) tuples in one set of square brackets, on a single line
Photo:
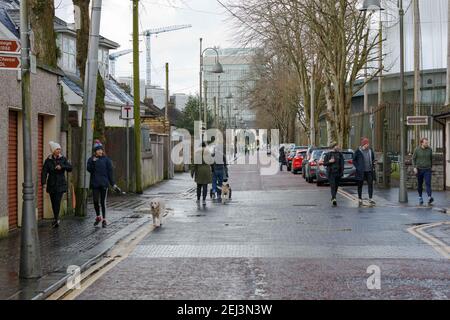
[(312, 165), (297, 162), (349, 168), (309, 152), (289, 159)]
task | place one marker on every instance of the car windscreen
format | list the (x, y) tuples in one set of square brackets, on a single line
[(316, 154)]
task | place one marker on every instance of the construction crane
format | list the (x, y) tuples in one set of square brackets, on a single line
[(113, 58), (147, 34)]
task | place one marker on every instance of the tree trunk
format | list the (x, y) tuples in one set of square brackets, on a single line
[(81, 12), (331, 122), (42, 13), (99, 120), (447, 100)]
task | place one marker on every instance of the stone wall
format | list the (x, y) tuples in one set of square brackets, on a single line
[(438, 180)]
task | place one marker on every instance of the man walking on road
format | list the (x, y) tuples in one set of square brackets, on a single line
[(423, 163), (334, 161), (364, 162)]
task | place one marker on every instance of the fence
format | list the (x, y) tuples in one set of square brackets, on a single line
[(386, 123), (116, 148)]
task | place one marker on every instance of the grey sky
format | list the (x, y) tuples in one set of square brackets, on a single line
[(180, 48)]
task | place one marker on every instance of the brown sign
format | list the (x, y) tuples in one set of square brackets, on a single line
[(9, 46), (417, 121), (9, 62)]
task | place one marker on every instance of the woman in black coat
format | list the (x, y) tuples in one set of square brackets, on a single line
[(53, 177), (101, 169)]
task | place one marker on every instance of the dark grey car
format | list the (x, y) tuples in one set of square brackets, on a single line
[(349, 168)]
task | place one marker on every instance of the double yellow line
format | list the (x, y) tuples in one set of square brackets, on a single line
[(419, 232)]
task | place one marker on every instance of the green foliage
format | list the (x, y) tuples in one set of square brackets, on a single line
[(100, 108), (191, 114)]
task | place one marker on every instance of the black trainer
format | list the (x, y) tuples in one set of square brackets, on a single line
[(334, 202), (104, 224), (430, 201)]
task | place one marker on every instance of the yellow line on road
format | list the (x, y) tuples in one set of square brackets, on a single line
[(419, 232)]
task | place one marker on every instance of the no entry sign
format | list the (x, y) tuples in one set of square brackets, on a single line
[(9, 62), (9, 46)]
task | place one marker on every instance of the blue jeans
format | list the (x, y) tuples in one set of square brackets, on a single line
[(217, 183), (424, 175)]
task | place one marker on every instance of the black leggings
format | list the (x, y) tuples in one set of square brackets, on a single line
[(334, 180), (99, 195), (200, 188), (56, 203)]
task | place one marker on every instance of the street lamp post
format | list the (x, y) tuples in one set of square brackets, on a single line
[(30, 259), (217, 68), (376, 5)]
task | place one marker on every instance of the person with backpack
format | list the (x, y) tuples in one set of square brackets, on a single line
[(334, 161), (53, 179), (423, 164), (101, 169), (364, 162), (282, 158)]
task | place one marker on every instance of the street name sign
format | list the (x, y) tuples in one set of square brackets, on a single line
[(9, 62), (127, 112), (417, 121), (9, 46)]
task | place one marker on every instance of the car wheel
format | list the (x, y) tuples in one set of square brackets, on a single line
[(319, 183)]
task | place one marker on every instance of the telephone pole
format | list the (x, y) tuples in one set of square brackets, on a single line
[(169, 133), (30, 259), (137, 98), (90, 93)]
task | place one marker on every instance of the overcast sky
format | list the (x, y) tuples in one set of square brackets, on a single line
[(179, 48)]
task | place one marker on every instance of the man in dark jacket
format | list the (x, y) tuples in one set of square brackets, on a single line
[(101, 170), (334, 161), (423, 164), (364, 162), (282, 158), (219, 171), (53, 177)]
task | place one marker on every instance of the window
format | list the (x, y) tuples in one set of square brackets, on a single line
[(68, 54), (103, 59)]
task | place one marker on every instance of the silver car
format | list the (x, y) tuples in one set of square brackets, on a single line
[(349, 168)]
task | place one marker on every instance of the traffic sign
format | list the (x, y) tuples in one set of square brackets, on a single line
[(417, 121), (127, 112), (9, 46), (9, 62)]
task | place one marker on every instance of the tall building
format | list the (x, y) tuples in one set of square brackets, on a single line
[(180, 100), (230, 87)]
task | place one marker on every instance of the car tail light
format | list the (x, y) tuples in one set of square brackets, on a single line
[(350, 161), (313, 163)]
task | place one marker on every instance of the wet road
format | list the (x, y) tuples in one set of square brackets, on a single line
[(279, 239)]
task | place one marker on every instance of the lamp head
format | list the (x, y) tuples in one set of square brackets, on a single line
[(371, 5)]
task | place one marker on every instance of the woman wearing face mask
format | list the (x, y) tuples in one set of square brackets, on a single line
[(53, 178)]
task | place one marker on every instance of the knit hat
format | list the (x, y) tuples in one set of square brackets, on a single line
[(364, 141), (54, 146), (98, 145)]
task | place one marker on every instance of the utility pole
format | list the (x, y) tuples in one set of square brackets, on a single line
[(417, 81), (137, 99), (90, 93), (169, 166), (447, 100), (30, 259), (200, 97), (205, 107), (403, 193)]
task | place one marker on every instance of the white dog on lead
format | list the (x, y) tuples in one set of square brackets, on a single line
[(157, 208)]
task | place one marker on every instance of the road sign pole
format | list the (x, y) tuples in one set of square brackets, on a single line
[(128, 154)]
